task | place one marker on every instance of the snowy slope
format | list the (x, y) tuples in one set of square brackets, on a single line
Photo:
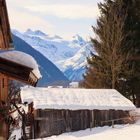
[(68, 56)]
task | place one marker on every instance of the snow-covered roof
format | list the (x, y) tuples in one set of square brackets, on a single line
[(75, 99), (23, 59)]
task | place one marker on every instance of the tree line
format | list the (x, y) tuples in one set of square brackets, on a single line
[(116, 64)]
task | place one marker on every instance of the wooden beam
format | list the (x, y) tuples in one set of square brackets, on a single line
[(17, 71)]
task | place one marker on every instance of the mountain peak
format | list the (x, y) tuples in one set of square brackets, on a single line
[(57, 37), (29, 31), (36, 32), (40, 33), (78, 39)]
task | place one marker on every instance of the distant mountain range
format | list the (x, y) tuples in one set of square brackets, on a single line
[(75, 67), (68, 56), (50, 73)]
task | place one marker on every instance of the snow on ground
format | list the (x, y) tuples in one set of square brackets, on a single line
[(16, 134), (120, 132)]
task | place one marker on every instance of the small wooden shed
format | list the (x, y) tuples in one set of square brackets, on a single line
[(64, 110)]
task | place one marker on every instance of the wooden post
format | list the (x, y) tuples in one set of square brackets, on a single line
[(32, 129), (65, 119), (68, 121), (81, 116), (85, 120), (92, 121), (92, 118), (112, 123)]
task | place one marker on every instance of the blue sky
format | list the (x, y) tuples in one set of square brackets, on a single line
[(62, 17)]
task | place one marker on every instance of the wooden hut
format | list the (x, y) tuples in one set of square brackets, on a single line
[(64, 110), (10, 65)]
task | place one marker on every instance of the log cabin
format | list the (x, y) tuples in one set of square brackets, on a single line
[(11, 66), (59, 110)]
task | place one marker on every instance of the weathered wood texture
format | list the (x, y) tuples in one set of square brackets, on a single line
[(9, 69), (3, 131), (3, 87), (5, 44), (3, 98), (17, 72), (5, 34), (55, 122)]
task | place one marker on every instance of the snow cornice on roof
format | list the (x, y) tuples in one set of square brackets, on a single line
[(19, 66), (22, 59)]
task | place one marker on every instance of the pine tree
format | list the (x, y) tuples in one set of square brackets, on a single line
[(105, 67), (117, 62), (132, 45)]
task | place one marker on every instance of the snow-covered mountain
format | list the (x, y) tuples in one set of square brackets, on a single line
[(50, 73), (68, 56), (75, 66)]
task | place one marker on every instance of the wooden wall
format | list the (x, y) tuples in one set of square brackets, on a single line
[(55, 122), (5, 34), (3, 98), (5, 44), (3, 87)]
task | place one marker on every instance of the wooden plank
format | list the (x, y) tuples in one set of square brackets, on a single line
[(85, 119), (68, 129), (81, 119), (1, 39), (3, 87), (41, 118), (93, 118)]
